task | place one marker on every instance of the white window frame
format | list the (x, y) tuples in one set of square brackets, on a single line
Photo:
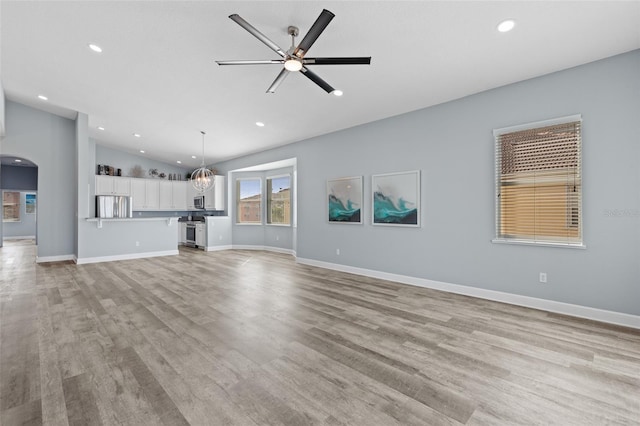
[(237, 201), (268, 196), (532, 242)]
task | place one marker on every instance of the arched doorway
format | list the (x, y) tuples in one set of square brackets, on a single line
[(19, 185)]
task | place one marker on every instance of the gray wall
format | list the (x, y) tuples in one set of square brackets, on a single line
[(452, 144), (49, 141), (2, 108), (27, 225), (19, 178), (2, 121), (125, 161)]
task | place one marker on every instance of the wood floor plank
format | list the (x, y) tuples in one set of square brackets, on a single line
[(250, 338), (81, 407), (53, 399), (19, 353)]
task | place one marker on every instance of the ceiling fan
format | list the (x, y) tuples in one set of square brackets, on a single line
[(294, 59)]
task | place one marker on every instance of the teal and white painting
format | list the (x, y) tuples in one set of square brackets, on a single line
[(30, 203), (396, 199), (344, 197)]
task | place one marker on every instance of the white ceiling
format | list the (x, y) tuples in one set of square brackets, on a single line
[(157, 75)]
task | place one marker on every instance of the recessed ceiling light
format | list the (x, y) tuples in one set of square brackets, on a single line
[(17, 160), (179, 162), (100, 128), (142, 151), (95, 48), (259, 124), (137, 135), (194, 157), (43, 97), (337, 93), (506, 26)]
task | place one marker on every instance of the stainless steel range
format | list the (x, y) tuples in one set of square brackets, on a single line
[(191, 234)]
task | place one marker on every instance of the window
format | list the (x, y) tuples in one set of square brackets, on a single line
[(279, 200), (249, 201), (539, 183), (10, 206)]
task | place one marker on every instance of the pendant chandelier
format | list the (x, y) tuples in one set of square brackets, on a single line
[(202, 178)]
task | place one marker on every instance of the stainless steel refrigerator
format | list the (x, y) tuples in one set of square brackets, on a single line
[(113, 206)]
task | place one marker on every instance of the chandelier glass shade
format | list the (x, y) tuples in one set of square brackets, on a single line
[(202, 178)]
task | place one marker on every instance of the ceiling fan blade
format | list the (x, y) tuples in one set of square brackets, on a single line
[(317, 80), (314, 32), (338, 61), (279, 79), (243, 62), (257, 34)]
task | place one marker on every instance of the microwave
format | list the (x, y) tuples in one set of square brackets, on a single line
[(198, 202)]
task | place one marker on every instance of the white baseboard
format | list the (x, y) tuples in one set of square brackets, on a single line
[(218, 248), (61, 258), (264, 248), (84, 260), (602, 315), (24, 237)]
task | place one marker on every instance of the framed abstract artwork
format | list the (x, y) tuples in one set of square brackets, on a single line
[(396, 199), (30, 203), (344, 200)]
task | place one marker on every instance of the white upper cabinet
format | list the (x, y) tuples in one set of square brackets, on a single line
[(214, 198), (153, 194), (145, 194), (173, 195), (219, 193), (191, 194), (113, 185), (179, 195)]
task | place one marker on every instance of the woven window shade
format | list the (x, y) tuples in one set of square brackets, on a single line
[(539, 184)]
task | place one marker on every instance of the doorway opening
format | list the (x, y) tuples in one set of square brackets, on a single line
[(19, 186)]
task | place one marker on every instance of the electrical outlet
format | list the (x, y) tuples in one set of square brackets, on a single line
[(220, 237), (543, 277), (338, 252), (277, 237), (137, 243)]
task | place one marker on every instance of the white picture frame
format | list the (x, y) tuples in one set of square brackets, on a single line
[(345, 198), (395, 199)]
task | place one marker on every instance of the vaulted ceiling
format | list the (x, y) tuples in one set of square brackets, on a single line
[(157, 76)]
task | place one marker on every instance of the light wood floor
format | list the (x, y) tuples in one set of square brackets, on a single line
[(252, 338)]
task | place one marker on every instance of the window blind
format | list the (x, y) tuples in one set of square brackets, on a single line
[(539, 184)]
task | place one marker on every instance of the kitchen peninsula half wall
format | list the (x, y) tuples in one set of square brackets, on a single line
[(105, 240)]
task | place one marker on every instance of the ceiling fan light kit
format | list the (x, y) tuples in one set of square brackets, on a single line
[(294, 60)]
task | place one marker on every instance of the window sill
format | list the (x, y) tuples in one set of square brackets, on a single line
[(282, 225), (579, 246), (248, 224)]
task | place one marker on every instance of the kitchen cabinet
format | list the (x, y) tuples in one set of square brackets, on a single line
[(113, 185), (145, 194), (191, 194), (201, 235), (183, 233), (179, 194), (214, 198), (172, 195)]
